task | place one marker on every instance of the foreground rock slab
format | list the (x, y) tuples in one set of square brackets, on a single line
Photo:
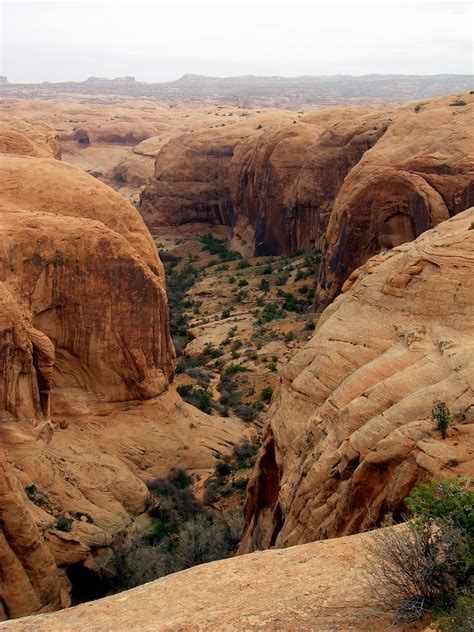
[(314, 587)]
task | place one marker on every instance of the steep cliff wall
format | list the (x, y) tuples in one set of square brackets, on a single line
[(87, 413), (350, 429), (419, 173), (348, 181)]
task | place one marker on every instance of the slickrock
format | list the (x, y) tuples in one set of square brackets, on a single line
[(28, 138), (316, 587), (350, 429), (420, 173), (348, 181), (87, 413)]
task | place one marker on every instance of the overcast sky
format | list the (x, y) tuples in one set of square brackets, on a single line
[(160, 41)]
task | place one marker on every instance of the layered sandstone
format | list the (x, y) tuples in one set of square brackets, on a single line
[(313, 587), (87, 413), (350, 429), (25, 138), (420, 173), (348, 181)]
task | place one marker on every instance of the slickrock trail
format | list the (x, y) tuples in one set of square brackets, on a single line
[(86, 408), (350, 430), (315, 587)]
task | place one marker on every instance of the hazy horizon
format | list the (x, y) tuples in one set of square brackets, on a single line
[(162, 41)]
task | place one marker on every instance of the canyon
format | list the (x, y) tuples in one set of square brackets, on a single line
[(349, 182), (363, 212)]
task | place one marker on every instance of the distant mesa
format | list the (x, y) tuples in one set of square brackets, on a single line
[(100, 79), (3, 79)]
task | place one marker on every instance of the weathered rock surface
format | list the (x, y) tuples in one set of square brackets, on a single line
[(350, 182), (315, 587), (86, 410), (350, 428), (420, 173), (25, 138)]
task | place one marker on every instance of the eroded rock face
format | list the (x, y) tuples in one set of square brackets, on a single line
[(348, 181), (420, 173), (87, 413), (351, 430)]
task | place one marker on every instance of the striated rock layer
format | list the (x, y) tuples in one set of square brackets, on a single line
[(350, 430), (348, 181), (86, 409)]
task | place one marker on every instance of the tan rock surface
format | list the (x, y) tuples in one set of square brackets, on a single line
[(349, 181), (315, 587), (419, 173), (350, 429), (85, 354)]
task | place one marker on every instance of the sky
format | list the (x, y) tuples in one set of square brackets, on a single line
[(160, 41)]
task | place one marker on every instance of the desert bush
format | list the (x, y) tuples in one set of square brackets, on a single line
[(63, 524), (266, 394), (246, 411), (459, 619), (196, 396), (264, 285), (245, 454), (458, 103), (243, 263), (223, 469), (427, 563), (218, 247), (441, 417)]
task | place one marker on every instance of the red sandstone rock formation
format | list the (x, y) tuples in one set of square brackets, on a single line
[(350, 182), (85, 363), (350, 429), (420, 172)]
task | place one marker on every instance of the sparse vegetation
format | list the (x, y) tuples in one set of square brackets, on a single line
[(427, 564), (458, 103), (183, 533)]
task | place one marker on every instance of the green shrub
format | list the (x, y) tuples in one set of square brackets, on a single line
[(241, 483), (196, 396), (243, 264), (218, 247), (459, 619), (458, 103), (63, 524), (289, 336), (264, 285), (266, 394), (309, 325), (428, 565), (441, 417), (245, 454), (223, 469)]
